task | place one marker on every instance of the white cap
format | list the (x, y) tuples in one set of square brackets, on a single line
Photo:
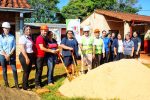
[(69, 29), (86, 28), (6, 25)]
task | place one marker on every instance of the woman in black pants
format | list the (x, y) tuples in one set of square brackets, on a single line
[(26, 55)]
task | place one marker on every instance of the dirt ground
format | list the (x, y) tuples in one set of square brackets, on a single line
[(14, 94), (123, 80)]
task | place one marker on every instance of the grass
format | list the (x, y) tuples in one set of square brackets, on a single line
[(59, 76)]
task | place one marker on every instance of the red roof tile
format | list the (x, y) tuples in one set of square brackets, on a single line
[(14, 3), (124, 16)]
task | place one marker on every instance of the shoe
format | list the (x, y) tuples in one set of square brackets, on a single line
[(51, 84), (6, 84), (17, 86)]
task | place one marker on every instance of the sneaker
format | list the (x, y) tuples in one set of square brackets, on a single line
[(51, 84), (38, 87)]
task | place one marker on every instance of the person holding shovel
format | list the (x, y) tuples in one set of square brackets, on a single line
[(98, 48), (51, 57), (69, 45), (7, 53), (41, 49), (86, 46)]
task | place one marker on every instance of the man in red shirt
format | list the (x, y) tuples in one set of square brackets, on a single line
[(41, 49)]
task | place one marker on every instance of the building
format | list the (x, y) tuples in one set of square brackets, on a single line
[(14, 11), (118, 22), (58, 29)]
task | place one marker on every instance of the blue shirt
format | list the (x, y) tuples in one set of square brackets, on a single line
[(7, 43), (106, 43), (70, 43), (136, 41), (128, 47)]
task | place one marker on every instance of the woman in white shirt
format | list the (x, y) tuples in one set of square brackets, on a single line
[(118, 47), (26, 55)]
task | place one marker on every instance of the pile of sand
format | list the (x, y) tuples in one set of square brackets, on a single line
[(14, 94), (124, 80)]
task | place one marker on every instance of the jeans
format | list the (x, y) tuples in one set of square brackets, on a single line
[(12, 63), (119, 56), (107, 55), (26, 69), (39, 69), (97, 61), (51, 61)]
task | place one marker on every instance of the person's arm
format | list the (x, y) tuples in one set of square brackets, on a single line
[(45, 49), (123, 48), (139, 46), (65, 47), (22, 48), (132, 49), (115, 46), (62, 45), (103, 50), (13, 49), (1, 48)]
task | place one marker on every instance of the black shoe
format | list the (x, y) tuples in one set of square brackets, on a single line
[(6, 84)]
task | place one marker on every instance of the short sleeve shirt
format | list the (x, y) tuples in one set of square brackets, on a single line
[(136, 41), (40, 40), (70, 43), (106, 44), (27, 42), (128, 47)]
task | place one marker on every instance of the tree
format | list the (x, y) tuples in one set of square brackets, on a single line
[(127, 6), (82, 8), (44, 11)]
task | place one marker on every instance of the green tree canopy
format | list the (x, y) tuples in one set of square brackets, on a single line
[(82, 8), (45, 11)]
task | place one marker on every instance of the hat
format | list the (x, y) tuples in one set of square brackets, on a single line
[(44, 27), (96, 31), (6, 25), (86, 28)]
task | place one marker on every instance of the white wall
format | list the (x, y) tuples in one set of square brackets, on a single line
[(96, 21)]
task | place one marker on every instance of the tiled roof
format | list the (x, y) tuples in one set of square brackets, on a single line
[(14, 4), (124, 16)]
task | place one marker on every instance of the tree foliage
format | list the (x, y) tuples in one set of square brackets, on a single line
[(82, 8), (44, 11)]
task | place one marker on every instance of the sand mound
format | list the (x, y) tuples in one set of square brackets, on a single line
[(14, 94), (124, 79)]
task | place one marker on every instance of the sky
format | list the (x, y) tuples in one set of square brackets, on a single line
[(145, 4)]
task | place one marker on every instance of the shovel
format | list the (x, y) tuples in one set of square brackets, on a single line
[(74, 61), (68, 75)]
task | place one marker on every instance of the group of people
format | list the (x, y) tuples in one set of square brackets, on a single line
[(94, 51), (98, 49), (44, 49)]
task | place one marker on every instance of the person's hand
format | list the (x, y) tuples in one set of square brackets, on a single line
[(137, 53), (71, 49), (115, 54), (131, 55), (53, 51), (103, 55), (93, 56), (7, 57), (27, 61), (57, 50)]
